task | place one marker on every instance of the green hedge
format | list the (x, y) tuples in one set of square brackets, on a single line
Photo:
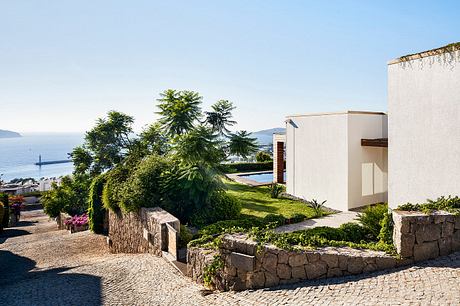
[(6, 207), (96, 210), (247, 167)]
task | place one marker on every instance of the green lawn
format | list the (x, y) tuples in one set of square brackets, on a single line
[(256, 202)]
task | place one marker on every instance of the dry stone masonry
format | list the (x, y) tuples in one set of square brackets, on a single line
[(420, 236), (145, 231), (246, 267)]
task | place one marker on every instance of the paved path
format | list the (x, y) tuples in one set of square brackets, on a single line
[(40, 265), (334, 220)]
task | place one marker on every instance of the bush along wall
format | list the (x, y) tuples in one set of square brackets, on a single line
[(247, 167), (96, 210), (6, 209)]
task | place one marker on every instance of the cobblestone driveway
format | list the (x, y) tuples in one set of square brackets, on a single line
[(40, 265)]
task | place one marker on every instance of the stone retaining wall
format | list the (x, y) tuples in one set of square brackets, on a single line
[(246, 268), (144, 231), (419, 236)]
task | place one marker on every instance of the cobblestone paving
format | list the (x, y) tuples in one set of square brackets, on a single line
[(40, 265)]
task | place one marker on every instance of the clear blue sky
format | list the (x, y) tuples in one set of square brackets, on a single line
[(65, 63)]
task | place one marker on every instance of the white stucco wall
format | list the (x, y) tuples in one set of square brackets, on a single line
[(316, 159), (325, 159), (367, 166), (424, 129)]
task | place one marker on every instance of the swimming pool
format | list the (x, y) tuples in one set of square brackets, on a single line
[(266, 177)]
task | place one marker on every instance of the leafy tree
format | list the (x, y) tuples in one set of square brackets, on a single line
[(220, 117), (262, 156), (199, 146), (241, 144), (154, 140), (96, 211), (105, 145), (69, 196), (179, 110)]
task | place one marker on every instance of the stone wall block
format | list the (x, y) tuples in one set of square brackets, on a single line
[(385, 263), (456, 241), (283, 257), (334, 272), (271, 279), (332, 260), (355, 265), (270, 262), (427, 232), (316, 269), (242, 261), (457, 222), (404, 243), (427, 250), (343, 262), (299, 272), (445, 246), (256, 280), (313, 257), (447, 229), (297, 260), (283, 271)]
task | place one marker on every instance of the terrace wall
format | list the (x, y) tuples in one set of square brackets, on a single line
[(145, 231)]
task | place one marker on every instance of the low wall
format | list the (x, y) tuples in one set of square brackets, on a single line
[(419, 236), (246, 268), (145, 231)]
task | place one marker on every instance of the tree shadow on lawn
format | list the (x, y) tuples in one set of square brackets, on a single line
[(22, 286), (260, 208)]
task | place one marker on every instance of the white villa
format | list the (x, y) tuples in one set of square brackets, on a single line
[(354, 158)]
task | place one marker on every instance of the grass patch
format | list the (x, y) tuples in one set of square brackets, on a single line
[(256, 202)]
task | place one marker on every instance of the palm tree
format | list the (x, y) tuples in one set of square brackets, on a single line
[(179, 110), (241, 144), (220, 118)]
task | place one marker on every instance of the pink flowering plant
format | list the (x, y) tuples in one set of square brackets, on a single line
[(77, 221)]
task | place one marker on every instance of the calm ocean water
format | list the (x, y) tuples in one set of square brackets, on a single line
[(18, 155)]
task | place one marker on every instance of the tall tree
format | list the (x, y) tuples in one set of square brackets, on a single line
[(106, 144), (179, 110), (200, 146), (220, 117), (241, 144)]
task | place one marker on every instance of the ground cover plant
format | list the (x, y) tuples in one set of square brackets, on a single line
[(449, 203), (354, 235)]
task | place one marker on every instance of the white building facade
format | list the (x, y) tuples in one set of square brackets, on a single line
[(338, 157), (424, 127)]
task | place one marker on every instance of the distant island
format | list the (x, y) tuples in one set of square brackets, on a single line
[(9, 134)]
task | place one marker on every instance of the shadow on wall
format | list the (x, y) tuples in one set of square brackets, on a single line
[(22, 286)]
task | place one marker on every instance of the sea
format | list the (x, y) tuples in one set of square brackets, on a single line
[(18, 155)]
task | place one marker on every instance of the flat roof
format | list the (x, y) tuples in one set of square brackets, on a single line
[(338, 113), (438, 51)]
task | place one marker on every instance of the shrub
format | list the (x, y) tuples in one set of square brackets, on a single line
[(262, 156), (185, 236), (371, 219), (246, 167), (113, 190), (450, 204), (71, 196), (354, 232), (220, 206), (275, 190), (6, 208), (297, 218), (317, 207), (230, 225), (96, 210), (144, 187), (386, 231), (274, 220)]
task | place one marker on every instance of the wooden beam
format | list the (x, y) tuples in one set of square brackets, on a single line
[(378, 142)]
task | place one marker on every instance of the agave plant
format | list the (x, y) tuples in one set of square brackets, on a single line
[(317, 207), (275, 190)]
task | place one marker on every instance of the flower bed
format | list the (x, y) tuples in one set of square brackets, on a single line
[(77, 223)]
